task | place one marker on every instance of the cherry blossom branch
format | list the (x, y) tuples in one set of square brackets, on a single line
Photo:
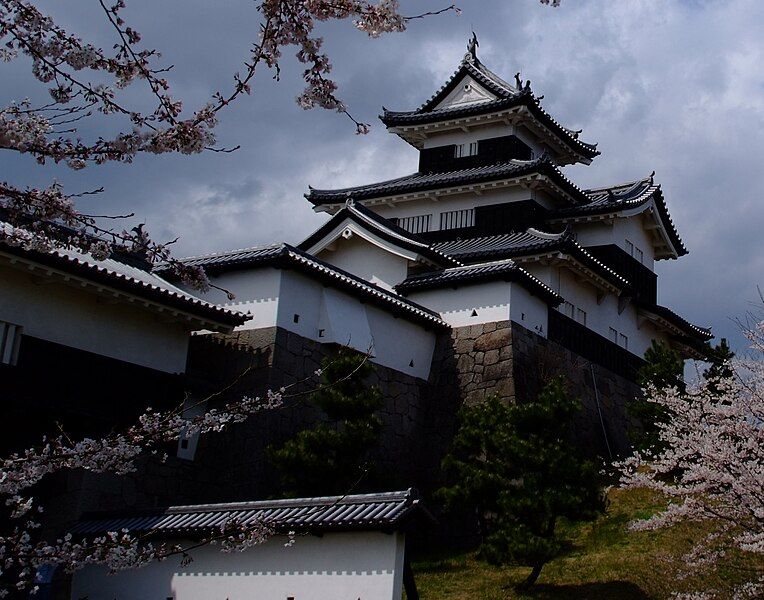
[(712, 466)]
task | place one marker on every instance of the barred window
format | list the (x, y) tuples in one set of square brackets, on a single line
[(462, 150), (567, 309), (635, 252), (10, 339), (613, 335), (581, 316), (456, 219), (418, 224)]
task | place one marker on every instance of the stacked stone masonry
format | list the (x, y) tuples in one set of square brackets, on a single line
[(419, 417)]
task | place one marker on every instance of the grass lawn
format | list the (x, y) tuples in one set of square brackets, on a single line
[(604, 560)]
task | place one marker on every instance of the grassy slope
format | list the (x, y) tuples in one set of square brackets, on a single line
[(604, 561)]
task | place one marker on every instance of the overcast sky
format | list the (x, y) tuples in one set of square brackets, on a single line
[(675, 86)]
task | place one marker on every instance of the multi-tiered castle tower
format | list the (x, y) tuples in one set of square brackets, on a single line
[(484, 271)]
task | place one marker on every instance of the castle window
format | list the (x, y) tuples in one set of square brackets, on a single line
[(417, 224), (567, 309), (635, 252), (10, 339), (624, 341), (581, 316), (456, 219), (296, 318), (464, 150), (613, 335)]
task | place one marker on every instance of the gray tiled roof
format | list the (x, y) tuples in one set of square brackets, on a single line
[(470, 248), (384, 228), (432, 181), (665, 313), (386, 511), (624, 196), (229, 258), (128, 278), (508, 95), (480, 272), (284, 255), (528, 243)]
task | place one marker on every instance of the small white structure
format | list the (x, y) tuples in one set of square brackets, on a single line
[(354, 548)]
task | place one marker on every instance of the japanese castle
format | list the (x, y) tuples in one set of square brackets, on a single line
[(484, 272), (487, 230)]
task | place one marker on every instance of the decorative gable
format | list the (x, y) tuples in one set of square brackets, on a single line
[(465, 93)]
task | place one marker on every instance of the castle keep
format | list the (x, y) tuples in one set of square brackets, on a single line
[(484, 272)]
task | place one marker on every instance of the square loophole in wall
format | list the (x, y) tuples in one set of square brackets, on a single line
[(296, 318)]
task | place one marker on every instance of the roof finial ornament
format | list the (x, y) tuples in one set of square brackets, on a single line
[(652, 178), (610, 196), (472, 46), (349, 199), (518, 81)]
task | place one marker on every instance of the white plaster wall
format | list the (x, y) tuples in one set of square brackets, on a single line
[(366, 260), (394, 342), (617, 231), (599, 317), (275, 297), (81, 319), (528, 310), (490, 300), (633, 229), (336, 566), (257, 293), (400, 344)]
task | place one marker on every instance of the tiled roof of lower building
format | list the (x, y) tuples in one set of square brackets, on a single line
[(286, 256), (503, 269), (126, 278), (230, 259), (433, 181), (385, 511)]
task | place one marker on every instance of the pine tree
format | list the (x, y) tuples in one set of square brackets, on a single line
[(517, 465), (663, 369), (331, 457)]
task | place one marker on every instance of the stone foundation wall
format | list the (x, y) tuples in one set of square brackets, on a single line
[(419, 417), (513, 363)]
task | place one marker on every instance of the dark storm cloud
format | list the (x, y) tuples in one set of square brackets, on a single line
[(676, 86)]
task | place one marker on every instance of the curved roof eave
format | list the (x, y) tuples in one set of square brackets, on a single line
[(425, 182)]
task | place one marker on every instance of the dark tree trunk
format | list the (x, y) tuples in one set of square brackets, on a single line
[(534, 575)]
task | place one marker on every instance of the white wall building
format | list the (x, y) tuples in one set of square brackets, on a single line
[(346, 548)]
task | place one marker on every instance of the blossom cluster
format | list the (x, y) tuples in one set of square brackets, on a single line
[(712, 467), (22, 551), (62, 61)]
